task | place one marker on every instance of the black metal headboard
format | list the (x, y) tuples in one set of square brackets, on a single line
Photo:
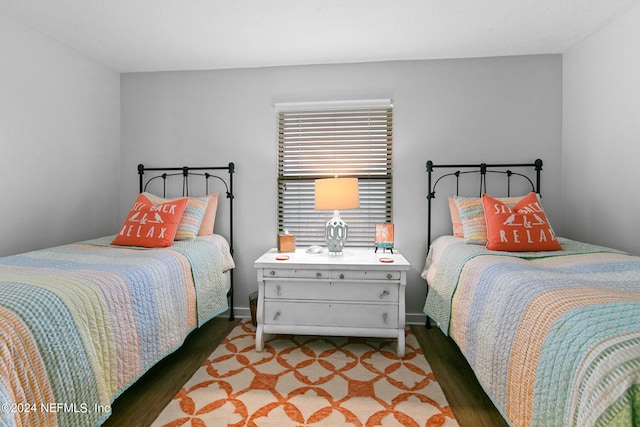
[(205, 173), (482, 169)]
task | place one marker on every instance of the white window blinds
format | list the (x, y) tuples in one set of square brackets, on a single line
[(328, 140)]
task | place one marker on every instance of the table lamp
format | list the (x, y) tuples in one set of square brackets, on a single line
[(335, 194)]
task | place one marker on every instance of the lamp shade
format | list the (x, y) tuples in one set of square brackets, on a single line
[(337, 193)]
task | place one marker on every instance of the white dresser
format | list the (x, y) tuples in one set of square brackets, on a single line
[(359, 293)]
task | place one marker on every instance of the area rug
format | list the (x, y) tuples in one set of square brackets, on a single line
[(310, 381)]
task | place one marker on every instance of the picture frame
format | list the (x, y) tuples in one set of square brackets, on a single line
[(384, 237)]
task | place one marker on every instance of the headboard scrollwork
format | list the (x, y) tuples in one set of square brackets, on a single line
[(481, 169)]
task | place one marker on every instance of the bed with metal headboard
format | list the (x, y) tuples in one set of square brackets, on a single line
[(80, 323), (208, 177), (549, 325)]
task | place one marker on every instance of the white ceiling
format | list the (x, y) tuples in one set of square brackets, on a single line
[(155, 35)]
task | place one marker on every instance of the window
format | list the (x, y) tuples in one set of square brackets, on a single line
[(324, 140)]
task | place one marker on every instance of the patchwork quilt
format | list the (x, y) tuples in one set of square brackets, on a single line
[(79, 323), (553, 337)]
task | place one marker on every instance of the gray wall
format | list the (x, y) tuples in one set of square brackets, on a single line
[(467, 110), (59, 142), (601, 149)]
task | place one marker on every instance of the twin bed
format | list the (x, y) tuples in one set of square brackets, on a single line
[(80, 323), (553, 335)]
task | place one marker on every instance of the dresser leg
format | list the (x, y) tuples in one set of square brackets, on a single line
[(259, 338)]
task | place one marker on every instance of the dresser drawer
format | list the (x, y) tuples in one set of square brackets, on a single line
[(331, 314), (296, 273), (335, 291), (364, 275)]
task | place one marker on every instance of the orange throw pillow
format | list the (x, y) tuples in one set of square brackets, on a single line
[(523, 228), (151, 225)]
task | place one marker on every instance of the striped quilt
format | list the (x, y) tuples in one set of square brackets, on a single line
[(80, 323), (553, 337)]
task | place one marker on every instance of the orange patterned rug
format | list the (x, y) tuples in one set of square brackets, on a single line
[(310, 381)]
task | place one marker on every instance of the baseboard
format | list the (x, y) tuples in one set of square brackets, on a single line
[(415, 318), (240, 312), (410, 318)]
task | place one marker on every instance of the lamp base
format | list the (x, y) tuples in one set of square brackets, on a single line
[(336, 234)]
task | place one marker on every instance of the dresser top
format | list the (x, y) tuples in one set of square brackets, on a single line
[(351, 258)]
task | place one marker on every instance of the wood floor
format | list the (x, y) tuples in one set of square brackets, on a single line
[(470, 404), (143, 402)]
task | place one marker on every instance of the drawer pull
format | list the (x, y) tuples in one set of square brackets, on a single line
[(384, 294), (279, 290), (342, 275), (384, 317), (272, 273), (389, 276), (278, 315), (318, 275)]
